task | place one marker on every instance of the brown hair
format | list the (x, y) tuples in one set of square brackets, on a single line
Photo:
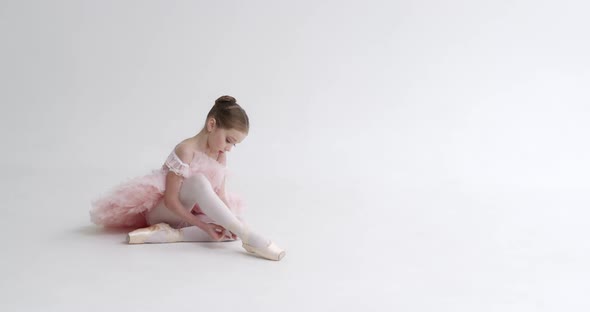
[(229, 114)]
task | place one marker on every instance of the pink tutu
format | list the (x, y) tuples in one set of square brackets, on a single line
[(127, 204)]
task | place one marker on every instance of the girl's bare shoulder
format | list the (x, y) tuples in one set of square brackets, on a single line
[(185, 150)]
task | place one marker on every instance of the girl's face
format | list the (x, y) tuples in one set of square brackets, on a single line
[(223, 140)]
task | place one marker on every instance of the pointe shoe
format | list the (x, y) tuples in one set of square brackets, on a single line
[(157, 233), (270, 252)]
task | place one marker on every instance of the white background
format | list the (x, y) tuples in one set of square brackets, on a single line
[(410, 155)]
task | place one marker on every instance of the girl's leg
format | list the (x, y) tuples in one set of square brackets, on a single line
[(164, 233), (161, 214), (198, 190), (167, 227)]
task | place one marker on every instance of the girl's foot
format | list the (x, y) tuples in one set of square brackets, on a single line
[(270, 252), (157, 233)]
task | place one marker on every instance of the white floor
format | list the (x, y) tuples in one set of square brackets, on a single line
[(350, 248)]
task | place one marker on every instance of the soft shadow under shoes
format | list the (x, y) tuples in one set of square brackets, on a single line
[(157, 233), (270, 252)]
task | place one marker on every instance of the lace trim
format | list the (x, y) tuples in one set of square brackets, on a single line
[(174, 164)]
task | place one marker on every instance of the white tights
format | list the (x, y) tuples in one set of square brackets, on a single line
[(198, 190)]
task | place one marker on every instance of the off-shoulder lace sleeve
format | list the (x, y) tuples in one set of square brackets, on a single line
[(174, 164)]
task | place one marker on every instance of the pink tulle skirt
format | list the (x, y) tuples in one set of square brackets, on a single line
[(127, 204)]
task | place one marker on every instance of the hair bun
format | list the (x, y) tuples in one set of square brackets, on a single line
[(225, 100)]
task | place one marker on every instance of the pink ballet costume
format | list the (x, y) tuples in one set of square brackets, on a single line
[(128, 204)]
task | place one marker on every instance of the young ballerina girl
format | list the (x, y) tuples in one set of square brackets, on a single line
[(186, 199)]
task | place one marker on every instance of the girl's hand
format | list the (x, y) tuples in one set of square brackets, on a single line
[(227, 235), (232, 236), (215, 231)]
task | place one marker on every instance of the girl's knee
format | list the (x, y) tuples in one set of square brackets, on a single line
[(194, 187), (197, 182)]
